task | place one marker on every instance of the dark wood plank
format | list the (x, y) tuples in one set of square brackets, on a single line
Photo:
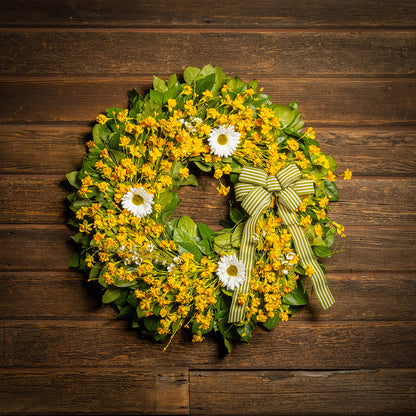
[(57, 295), (364, 392), (40, 199), (59, 149), (200, 14), (292, 345), (48, 247), (272, 54), (66, 295), (329, 101), (101, 391)]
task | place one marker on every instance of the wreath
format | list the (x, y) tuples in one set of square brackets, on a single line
[(165, 273)]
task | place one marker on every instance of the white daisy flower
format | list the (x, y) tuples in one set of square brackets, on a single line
[(138, 202), (223, 141), (231, 271), (171, 267)]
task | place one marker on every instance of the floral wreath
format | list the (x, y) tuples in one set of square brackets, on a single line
[(166, 273)]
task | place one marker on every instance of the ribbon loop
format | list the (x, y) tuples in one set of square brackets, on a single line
[(289, 198), (255, 189)]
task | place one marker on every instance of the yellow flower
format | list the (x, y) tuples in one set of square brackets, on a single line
[(171, 104), (102, 119), (218, 173), (310, 133), (197, 338), (309, 270), (207, 94), (347, 174), (226, 169), (323, 202), (186, 90), (318, 230), (314, 149), (124, 141), (305, 221), (292, 144), (223, 190), (330, 176), (184, 172)]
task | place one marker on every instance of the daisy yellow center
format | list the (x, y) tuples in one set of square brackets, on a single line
[(232, 271), (222, 139), (137, 200)]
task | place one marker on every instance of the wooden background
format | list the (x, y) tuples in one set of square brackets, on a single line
[(351, 67)]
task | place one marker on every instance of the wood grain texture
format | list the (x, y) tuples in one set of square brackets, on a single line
[(59, 149), (364, 392), (200, 14), (327, 101), (291, 345), (67, 296), (48, 247), (351, 68), (40, 199), (81, 392), (132, 53)]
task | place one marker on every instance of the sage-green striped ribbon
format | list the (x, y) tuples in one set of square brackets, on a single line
[(255, 189)]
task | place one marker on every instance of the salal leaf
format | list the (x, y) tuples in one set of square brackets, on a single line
[(332, 190), (188, 225), (111, 294), (159, 84), (190, 74)]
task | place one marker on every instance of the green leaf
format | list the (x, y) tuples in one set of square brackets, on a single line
[(111, 294), (180, 235), (332, 190), (72, 178), (228, 345), (205, 232), (74, 262), (204, 167), (190, 74), (223, 240), (220, 78), (95, 271), (330, 236), (237, 235), (96, 135), (156, 96), (188, 225), (151, 323), (190, 247), (159, 84), (322, 251), (205, 84), (116, 156), (271, 323), (172, 81), (169, 200), (191, 180), (207, 70), (298, 296), (236, 215), (205, 246), (246, 330)]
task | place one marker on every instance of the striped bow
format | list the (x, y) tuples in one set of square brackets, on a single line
[(255, 189)]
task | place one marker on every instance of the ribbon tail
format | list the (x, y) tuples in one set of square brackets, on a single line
[(247, 254), (307, 257)]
